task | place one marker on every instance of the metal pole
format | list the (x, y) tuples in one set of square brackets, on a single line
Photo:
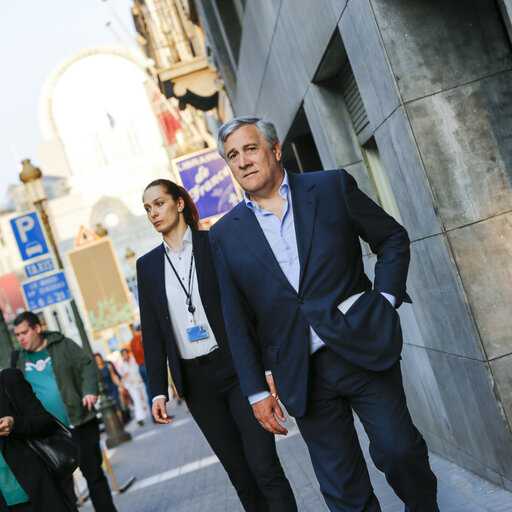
[(115, 432)]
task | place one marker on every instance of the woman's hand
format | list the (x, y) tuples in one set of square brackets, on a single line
[(6, 425), (160, 412)]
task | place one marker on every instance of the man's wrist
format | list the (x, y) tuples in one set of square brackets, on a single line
[(258, 397), (158, 397)]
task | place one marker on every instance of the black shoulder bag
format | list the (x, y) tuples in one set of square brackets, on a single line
[(59, 451)]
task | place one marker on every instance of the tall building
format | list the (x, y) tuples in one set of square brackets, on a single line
[(170, 34), (412, 98)]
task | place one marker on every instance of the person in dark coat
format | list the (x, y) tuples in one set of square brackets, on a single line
[(25, 483)]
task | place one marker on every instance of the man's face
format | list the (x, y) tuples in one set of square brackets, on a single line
[(126, 356), (255, 166), (30, 338)]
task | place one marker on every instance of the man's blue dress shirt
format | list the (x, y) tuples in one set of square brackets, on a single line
[(282, 239)]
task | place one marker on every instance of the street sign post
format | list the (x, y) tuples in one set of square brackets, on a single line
[(46, 291), (29, 236), (39, 267)]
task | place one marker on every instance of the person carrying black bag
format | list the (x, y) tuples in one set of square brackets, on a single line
[(25, 481), (64, 378)]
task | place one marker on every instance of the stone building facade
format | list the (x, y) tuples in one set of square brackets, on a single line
[(414, 99)]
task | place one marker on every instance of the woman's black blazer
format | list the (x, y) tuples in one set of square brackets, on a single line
[(157, 334)]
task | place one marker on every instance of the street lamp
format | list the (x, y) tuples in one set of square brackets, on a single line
[(32, 180)]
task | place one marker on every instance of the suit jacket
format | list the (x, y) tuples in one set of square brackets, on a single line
[(157, 334), (25, 464), (268, 321)]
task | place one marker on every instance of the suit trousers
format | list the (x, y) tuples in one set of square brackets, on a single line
[(88, 438), (338, 387), (245, 449)]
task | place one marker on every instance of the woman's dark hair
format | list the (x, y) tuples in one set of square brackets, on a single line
[(190, 212)]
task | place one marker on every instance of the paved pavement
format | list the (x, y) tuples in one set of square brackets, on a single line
[(176, 471)]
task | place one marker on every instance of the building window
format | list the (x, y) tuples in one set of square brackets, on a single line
[(231, 15), (379, 179)]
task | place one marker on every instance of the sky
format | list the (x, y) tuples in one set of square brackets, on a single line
[(35, 36)]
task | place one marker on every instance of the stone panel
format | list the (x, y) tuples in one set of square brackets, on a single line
[(452, 398), (399, 154), (436, 45), (502, 372), (312, 27), (464, 136), (331, 127), (285, 81), (438, 302), (368, 61), (483, 254), (260, 20), (337, 7)]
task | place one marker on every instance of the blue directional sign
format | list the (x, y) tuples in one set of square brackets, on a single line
[(46, 291), (39, 267), (29, 236)]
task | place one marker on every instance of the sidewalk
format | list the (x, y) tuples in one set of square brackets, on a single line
[(176, 472)]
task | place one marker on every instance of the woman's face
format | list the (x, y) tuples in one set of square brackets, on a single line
[(162, 210), (99, 360)]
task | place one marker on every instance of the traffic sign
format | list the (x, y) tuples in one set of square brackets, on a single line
[(39, 267), (85, 236), (29, 236), (46, 291)]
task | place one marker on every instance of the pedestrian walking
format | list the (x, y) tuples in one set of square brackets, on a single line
[(297, 302), (112, 381), (132, 381), (25, 482), (138, 353), (64, 379), (182, 322)]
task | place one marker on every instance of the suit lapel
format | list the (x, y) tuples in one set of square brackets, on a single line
[(199, 246), (160, 279), (249, 231), (304, 201)]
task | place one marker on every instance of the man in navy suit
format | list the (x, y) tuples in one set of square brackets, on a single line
[(297, 302)]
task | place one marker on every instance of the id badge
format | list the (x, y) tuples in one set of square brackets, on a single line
[(198, 332)]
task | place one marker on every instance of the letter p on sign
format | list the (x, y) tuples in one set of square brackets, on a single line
[(24, 224)]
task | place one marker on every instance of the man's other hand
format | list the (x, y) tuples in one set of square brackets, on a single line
[(89, 400), (159, 411), (266, 411)]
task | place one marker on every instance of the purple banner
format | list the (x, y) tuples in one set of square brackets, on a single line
[(207, 178)]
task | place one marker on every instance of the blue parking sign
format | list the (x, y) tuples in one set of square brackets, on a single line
[(29, 236), (46, 291)]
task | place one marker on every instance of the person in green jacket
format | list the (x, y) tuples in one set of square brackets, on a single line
[(64, 379)]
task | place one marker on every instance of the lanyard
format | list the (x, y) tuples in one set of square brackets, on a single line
[(188, 302)]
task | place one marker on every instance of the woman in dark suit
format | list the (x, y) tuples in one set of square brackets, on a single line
[(25, 483), (182, 322)]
